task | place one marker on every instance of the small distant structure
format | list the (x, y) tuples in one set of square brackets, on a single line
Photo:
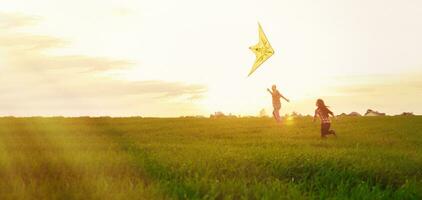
[(231, 116), (354, 114), (407, 114), (193, 117), (342, 115), (295, 114), (218, 115), (371, 113), (263, 113)]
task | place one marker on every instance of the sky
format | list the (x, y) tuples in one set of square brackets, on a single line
[(168, 58)]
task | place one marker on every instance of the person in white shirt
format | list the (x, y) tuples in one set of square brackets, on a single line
[(276, 95)]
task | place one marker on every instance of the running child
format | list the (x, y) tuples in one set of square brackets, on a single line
[(324, 113)]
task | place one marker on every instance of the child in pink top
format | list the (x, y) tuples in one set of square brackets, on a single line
[(324, 113)]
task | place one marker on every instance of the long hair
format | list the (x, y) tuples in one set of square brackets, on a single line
[(323, 108)]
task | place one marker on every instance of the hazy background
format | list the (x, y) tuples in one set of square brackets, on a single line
[(187, 57)]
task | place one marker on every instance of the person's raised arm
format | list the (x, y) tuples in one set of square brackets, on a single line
[(331, 113), (284, 98), (315, 116), (269, 91)]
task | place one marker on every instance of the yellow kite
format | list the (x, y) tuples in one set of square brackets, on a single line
[(262, 50)]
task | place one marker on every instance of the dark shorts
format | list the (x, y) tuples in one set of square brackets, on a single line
[(325, 129)]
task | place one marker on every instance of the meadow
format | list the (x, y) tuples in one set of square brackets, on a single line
[(183, 158)]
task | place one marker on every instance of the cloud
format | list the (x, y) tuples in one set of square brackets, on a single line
[(70, 64), (115, 98), (15, 20), (26, 50), (26, 43), (408, 84), (166, 89), (35, 82), (390, 93)]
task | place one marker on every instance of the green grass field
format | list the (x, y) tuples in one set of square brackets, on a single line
[(250, 158)]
